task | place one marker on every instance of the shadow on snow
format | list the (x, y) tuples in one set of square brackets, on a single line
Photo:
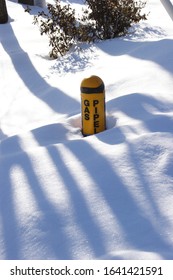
[(103, 184)]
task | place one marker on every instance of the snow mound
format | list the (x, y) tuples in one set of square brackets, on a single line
[(105, 196)]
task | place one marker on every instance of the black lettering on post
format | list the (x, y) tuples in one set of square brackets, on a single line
[(95, 102), (96, 124), (86, 110), (87, 117), (86, 102), (96, 116)]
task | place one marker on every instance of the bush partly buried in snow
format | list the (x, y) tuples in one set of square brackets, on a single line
[(114, 17), (59, 25), (100, 20)]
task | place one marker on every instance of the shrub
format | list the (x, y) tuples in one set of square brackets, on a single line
[(114, 17), (59, 26), (100, 20)]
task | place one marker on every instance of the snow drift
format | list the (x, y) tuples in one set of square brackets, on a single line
[(106, 196)]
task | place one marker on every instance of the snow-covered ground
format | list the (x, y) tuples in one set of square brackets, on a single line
[(106, 196)]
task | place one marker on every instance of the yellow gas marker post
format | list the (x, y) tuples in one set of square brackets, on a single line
[(93, 105)]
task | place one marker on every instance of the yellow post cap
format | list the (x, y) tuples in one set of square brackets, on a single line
[(92, 82)]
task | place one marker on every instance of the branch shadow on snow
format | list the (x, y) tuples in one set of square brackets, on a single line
[(123, 206), (79, 58), (53, 97), (160, 51), (15, 235), (114, 194), (152, 112), (9, 226), (102, 212)]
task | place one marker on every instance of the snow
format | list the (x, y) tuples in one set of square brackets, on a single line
[(105, 196)]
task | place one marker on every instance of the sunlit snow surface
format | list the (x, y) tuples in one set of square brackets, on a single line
[(106, 196)]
